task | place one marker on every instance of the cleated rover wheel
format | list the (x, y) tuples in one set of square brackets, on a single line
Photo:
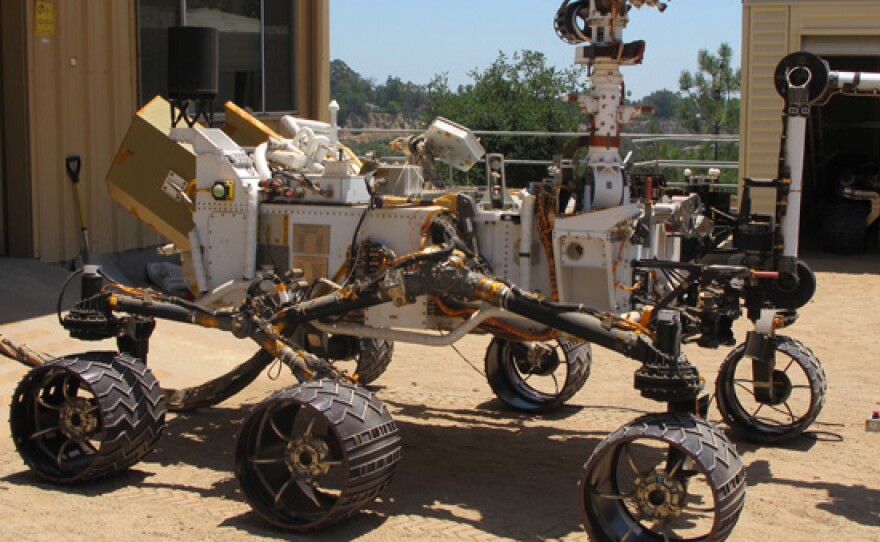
[(86, 416), (363, 357), (663, 477), (537, 377), (314, 454), (373, 358), (800, 390)]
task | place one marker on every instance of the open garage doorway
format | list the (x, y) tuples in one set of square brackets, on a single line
[(842, 180)]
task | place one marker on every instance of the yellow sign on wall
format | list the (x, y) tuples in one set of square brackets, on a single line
[(44, 18)]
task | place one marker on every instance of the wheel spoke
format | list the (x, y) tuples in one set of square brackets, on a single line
[(275, 428), (672, 472), (43, 432), (266, 461), (790, 413), (87, 445), (778, 410), (42, 402), (59, 456), (755, 413), (787, 367), (308, 431), (631, 461), (555, 383), (65, 388), (613, 497), (745, 388), (308, 491), (284, 486), (660, 525)]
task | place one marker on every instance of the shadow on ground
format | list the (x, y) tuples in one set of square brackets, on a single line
[(856, 503), (499, 473)]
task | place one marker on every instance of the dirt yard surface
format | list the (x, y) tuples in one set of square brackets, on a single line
[(471, 469)]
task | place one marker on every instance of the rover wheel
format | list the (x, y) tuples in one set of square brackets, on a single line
[(374, 357), (366, 358), (537, 377), (799, 395), (663, 477), (314, 454), (86, 416)]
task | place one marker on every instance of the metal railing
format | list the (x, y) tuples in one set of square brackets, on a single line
[(635, 138)]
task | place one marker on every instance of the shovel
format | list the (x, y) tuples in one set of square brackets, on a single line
[(73, 165)]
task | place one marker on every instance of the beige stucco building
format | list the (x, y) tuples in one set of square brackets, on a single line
[(74, 72)]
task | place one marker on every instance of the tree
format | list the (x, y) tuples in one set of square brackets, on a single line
[(710, 96), (710, 100), (664, 102), (520, 93), (353, 92)]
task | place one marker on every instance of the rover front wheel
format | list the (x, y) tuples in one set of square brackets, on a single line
[(314, 454), (537, 377), (799, 393), (663, 477)]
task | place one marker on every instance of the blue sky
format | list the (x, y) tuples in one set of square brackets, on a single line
[(416, 39)]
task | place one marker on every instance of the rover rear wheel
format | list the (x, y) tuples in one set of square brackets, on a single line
[(537, 377), (663, 477), (314, 454), (86, 416), (800, 390)]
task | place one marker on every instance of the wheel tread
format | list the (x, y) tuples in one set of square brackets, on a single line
[(131, 406), (365, 430)]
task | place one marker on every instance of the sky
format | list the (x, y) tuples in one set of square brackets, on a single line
[(417, 39)]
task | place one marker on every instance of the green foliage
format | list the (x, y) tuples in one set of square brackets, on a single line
[(710, 102), (710, 96), (352, 91), (520, 93), (396, 96), (358, 96), (664, 102)]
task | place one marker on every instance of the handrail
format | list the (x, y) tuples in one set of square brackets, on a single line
[(635, 137)]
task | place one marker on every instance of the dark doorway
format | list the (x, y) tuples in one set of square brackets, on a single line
[(2, 169), (843, 149)]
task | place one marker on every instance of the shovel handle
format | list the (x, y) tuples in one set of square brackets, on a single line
[(73, 165)]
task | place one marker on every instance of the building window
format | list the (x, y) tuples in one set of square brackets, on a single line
[(256, 48)]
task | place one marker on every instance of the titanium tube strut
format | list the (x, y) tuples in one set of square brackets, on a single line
[(413, 337)]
